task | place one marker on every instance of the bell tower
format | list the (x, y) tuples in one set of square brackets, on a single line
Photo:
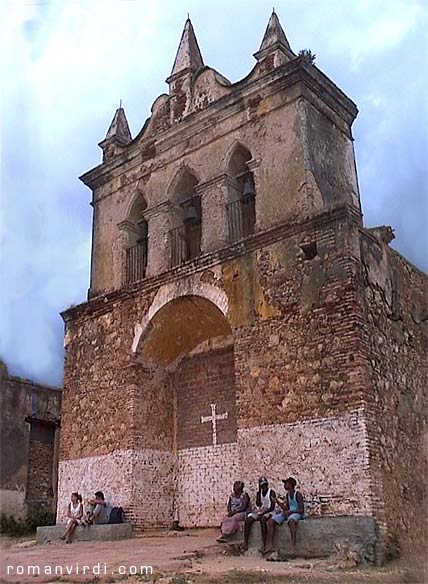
[(237, 302)]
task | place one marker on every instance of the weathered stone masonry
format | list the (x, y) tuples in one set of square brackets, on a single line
[(253, 348), (29, 424)]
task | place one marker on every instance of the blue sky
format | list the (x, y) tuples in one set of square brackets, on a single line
[(65, 64)]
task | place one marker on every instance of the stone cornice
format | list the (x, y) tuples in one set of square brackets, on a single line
[(127, 226), (277, 46), (159, 209), (289, 74), (216, 181), (253, 164), (103, 303)]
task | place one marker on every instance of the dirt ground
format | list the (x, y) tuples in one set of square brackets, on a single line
[(190, 557)]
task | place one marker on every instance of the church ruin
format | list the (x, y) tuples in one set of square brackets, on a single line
[(241, 320)]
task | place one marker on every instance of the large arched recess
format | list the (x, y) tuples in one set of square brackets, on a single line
[(187, 344), (180, 326)]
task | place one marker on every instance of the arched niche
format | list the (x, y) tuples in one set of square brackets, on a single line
[(178, 327)]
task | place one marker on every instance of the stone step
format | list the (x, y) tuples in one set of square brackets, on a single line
[(107, 532), (321, 537)]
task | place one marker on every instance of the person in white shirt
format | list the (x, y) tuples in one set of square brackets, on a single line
[(265, 505), (74, 516)]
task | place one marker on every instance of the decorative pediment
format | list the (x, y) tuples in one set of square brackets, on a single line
[(209, 86)]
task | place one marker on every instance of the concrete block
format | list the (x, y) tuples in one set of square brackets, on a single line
[(323, 536), (106, 532)]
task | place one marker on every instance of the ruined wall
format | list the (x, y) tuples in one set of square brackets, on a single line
[(396, 341), (99, 380), (40, 486), (330, 154), (19, 459)]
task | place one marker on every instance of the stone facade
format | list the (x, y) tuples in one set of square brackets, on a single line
[(30, 417), (253, 347)]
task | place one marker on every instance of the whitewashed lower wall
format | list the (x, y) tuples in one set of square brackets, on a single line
[(327, 456), (205, 476), (130, 479)]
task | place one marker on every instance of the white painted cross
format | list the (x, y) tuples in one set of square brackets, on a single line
[(213, 419)]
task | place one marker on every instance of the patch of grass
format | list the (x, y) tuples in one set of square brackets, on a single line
[(179, 579), (233, 550), (149, 578), (248, 578), (21, 527)]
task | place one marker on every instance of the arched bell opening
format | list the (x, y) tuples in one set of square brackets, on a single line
[(186, 220), (241, 194), (136, 246)]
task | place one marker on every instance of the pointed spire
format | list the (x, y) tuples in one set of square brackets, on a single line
[(188, 54), (274, 33), (119, 129), (274, 38)]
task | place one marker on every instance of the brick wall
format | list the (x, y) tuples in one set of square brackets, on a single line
[(153, 407), (327, 456), (111, 474), (298, 353), (140, 481), (205, 477), (39, 481), (101, 379), (200, 381)]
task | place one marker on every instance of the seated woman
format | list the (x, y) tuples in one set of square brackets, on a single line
[(74, 516), (237, 508), (292, 511)]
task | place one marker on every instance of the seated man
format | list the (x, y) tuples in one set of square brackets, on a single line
[(292, 511), (265, 505), (98, 513)]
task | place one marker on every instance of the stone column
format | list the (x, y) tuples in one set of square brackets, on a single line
[(253, 166), (160, 219), (214, 218)]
